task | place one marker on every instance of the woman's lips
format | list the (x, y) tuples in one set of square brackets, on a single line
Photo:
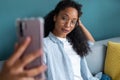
[(64, 30)]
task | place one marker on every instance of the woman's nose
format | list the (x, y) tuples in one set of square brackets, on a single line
[(68, 23)]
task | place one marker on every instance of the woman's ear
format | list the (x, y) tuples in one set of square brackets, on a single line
[(77, 23), (54, 18)]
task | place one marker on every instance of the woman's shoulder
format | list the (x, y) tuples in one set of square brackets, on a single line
[(47, 41)]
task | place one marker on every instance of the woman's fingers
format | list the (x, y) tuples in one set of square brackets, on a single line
[(26, 79), (30, 57), (79, 21), (18, 52), (16, 47), (35, 71)]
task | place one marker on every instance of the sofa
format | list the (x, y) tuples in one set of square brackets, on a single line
[(96, 57)]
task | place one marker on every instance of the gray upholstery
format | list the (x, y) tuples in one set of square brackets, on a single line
[(96, 57)]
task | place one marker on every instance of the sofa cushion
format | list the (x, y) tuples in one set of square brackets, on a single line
[(112, 61)]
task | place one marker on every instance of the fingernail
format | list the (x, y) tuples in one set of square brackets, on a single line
[(28, 38)]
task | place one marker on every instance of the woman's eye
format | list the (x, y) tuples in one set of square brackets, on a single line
[(64, 18), (73, 22)]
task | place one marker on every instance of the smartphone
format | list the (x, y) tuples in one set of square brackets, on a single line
[(32, 27)]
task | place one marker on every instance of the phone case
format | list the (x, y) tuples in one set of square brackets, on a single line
[(32, 27)]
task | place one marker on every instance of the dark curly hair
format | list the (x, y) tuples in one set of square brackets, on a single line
[(77, 38)]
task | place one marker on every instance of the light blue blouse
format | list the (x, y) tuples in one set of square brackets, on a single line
[(58, 62)]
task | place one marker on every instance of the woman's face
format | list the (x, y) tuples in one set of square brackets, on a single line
[(65, 22)]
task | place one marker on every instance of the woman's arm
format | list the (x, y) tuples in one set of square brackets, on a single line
[(86, 32)]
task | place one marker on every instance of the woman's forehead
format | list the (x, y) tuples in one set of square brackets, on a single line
[(71, 12)]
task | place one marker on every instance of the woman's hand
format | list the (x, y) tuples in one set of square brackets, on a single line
[(13, 68), (86, 32)]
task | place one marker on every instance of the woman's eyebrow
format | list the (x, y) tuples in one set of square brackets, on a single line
[(65, 14)]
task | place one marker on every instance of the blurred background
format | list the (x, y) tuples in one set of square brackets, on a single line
[(101, 18)]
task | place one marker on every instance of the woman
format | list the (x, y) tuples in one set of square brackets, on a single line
[(66, 43)]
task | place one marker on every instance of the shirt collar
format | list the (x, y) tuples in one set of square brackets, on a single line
[(53, 37)]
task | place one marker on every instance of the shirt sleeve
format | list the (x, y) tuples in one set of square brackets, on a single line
[(85, 72), (90, 43)]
